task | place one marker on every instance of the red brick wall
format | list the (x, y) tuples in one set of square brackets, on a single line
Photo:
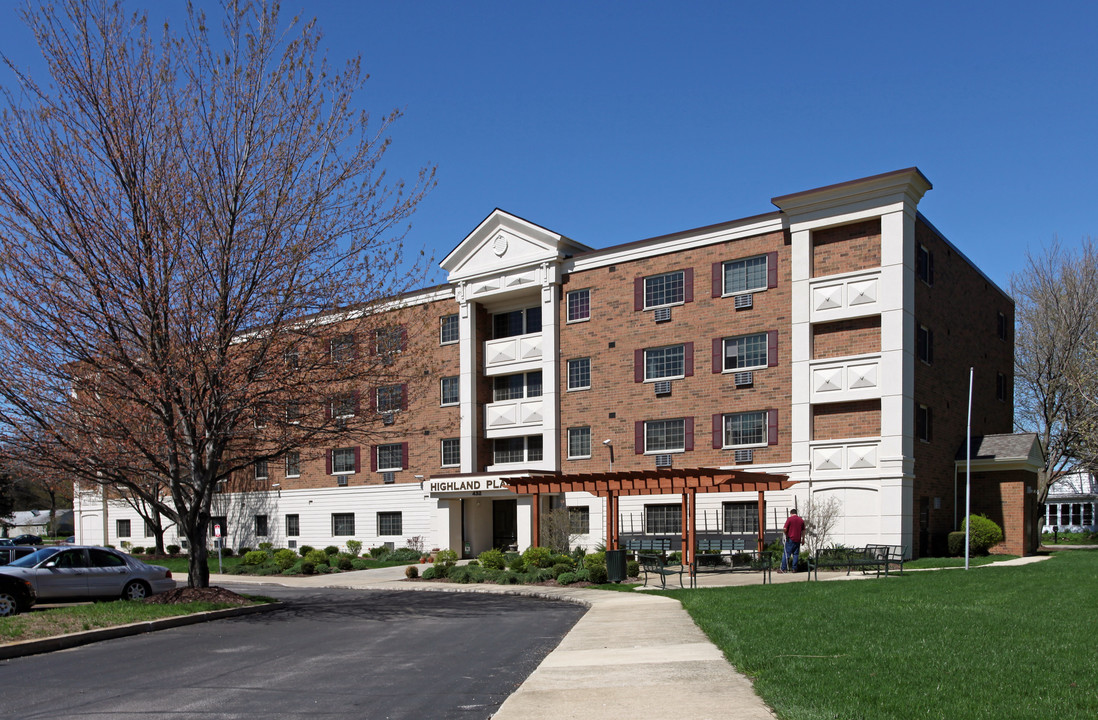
[(846, 248), (846, 420), (1002, 497), (615, 331), (846, 337)]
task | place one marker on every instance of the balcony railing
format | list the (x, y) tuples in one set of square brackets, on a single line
[(845, 296), (511, 354), (502, 417), (855, 378), (846, 458)]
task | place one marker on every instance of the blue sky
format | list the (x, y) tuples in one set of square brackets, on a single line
[(612, 122)]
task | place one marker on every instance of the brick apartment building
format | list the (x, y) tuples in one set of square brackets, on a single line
[(829, 341)]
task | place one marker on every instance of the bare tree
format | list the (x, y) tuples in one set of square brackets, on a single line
[(820, 518), (1056, 300), (197, 227), (556, 530)]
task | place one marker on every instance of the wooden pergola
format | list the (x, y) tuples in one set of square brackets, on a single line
[(672, 481)]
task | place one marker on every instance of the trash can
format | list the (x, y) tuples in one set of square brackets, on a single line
[(615, 565)]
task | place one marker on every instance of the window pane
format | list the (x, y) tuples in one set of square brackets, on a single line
[(745, 429), (741, 517), (664, 435), (579, 305), (745, 352), (533, 384), (390, 457), (579, 373), (579, 520), (389, 523), (663, 519), (388, 398), (122, 528), (261, 470), (343, 523), (664, 289), (507, 387), (293, 525), (261, 526), (343, 460), (508, 450), (451, 394), (450, 330), (451, 452), (343, 348), (579, 442), (745, 275), (663, 363), (293, 464), (533, 447)]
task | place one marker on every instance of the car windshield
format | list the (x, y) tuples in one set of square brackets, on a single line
[(34, 558)]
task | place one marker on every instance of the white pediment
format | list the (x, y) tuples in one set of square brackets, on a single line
[(504, 248)]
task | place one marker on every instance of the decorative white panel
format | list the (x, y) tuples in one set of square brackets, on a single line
[(853, 295), (512, 354), (857, 458), (846, 380), (501, 417)]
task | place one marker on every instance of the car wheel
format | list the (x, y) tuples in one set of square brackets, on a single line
[(9, 605), (135, 590)]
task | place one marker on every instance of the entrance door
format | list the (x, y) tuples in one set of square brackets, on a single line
[(504, 523)]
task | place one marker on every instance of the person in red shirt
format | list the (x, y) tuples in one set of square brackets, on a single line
[(794, 533)]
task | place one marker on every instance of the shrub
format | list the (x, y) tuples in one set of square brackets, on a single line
[(537, 575), (307, 568), (285, 559), (595, 560), (354, 547), (305, 550), (360, 564), (517, 564), (137, 550), (379, 552), (255, 557), (322, 568), (583, 575), (172, 549), (984, 533), (411, 572), (597, 574), (560, 568), (538, 557), (316, 557), (508, 577), (466, 574), (474, 563), (244, 550), (433, 573), (632, 568), (446, 558), (559, 559), (227, 552), (492, 559), (344, 564), (403, 555), (266, 547), (566, 578), (331, 550), (955, 543)]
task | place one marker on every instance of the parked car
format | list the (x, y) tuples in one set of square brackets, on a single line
[(81, 572), (6, 541), (11, 553), (16, 595), (26, 540)]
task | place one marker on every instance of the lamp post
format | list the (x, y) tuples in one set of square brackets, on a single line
[(610, 446)]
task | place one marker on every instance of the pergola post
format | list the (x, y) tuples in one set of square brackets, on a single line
[(692, 534), (535, 522), (762, 520)]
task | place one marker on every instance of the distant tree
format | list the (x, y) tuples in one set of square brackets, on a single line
[(1056, 320), (197, 231)]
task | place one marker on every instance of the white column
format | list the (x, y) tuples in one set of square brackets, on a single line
[(550, 376), (467, 383)]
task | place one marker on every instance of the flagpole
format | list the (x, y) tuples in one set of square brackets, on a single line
[(968, 469)]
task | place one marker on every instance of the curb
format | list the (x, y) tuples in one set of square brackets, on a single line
[(64, 642)]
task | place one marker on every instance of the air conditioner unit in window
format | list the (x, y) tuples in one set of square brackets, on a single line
[(387, 418), (292, 544), (388, 477), (662, 314), (663, 461), (341, 423), (745, 302), (341, 480), (663, 387), (745, 456), (744, 378)]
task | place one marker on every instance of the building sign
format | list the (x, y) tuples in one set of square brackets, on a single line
[(465, 485)]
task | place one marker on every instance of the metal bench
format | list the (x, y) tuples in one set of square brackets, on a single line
[(711, 557), (875, 558), (656, 565)]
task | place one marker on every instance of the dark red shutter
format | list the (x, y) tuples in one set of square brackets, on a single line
[(358, 403), (688, 433), (373, 399), (718, 431), (688, 359), (403, 338), (688, 285), (354, 346), (718, 355), (718, 279), (328, 408), (327, 462), (638, 293), (638, 437), (772, 270), (373, 458), (638, 366), (771, 427), (404, 396), (772, 348), (404, 455)]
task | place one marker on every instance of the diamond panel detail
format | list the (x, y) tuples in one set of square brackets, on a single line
[(862, 292), (828, 297)]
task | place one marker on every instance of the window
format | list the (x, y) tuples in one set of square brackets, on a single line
[(741, 517), (516, 322), (747, 275), (390, 398), (344, 406), (579, 374), (515, 387), (1001, 326), (292, 358), (1001, 387), (293, 525), (343, 461), (666, 289), (122, 528), (293, 464), (261, 526), (343, 524), (449, 331), (579, 305), (390, 523), (343, 348), (579, 442), (922, 423), (748, 351), (293, 412), (451, 452), (747, 428), (149, 529), (579, 520), (261, 470), (260, 417), (664, 436), (516, 450), (924, 265), (390, 458), (664, 363), (663, 519), (451, 392), (389, 341), (103, 558), (924, 344)]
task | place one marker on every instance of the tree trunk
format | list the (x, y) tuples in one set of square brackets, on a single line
[(198, 570)]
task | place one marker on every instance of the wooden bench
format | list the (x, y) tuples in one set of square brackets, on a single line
[(656, 565), (711, 555), (875, 558)]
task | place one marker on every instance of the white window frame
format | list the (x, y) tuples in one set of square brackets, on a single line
[(389, 449), (725, 292), (585, 293), (442, 329), (343, 406), (343, 452), (526, 385), (579, 432), (262, 470), (343, 517), (399, 398), (766, 353), (525, 450), (579, 519), (442, 450), (682, 284), (456, 380), (342, 348), (664, 451), (296, 464), (725, 430), (389, 516), (682, 350), (568, 376)]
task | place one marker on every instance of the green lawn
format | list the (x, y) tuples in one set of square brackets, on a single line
[(1009, 642)]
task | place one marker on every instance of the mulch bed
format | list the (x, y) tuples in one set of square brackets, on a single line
[(209, 594)]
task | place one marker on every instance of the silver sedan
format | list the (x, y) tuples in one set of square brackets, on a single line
[(86, 572)]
